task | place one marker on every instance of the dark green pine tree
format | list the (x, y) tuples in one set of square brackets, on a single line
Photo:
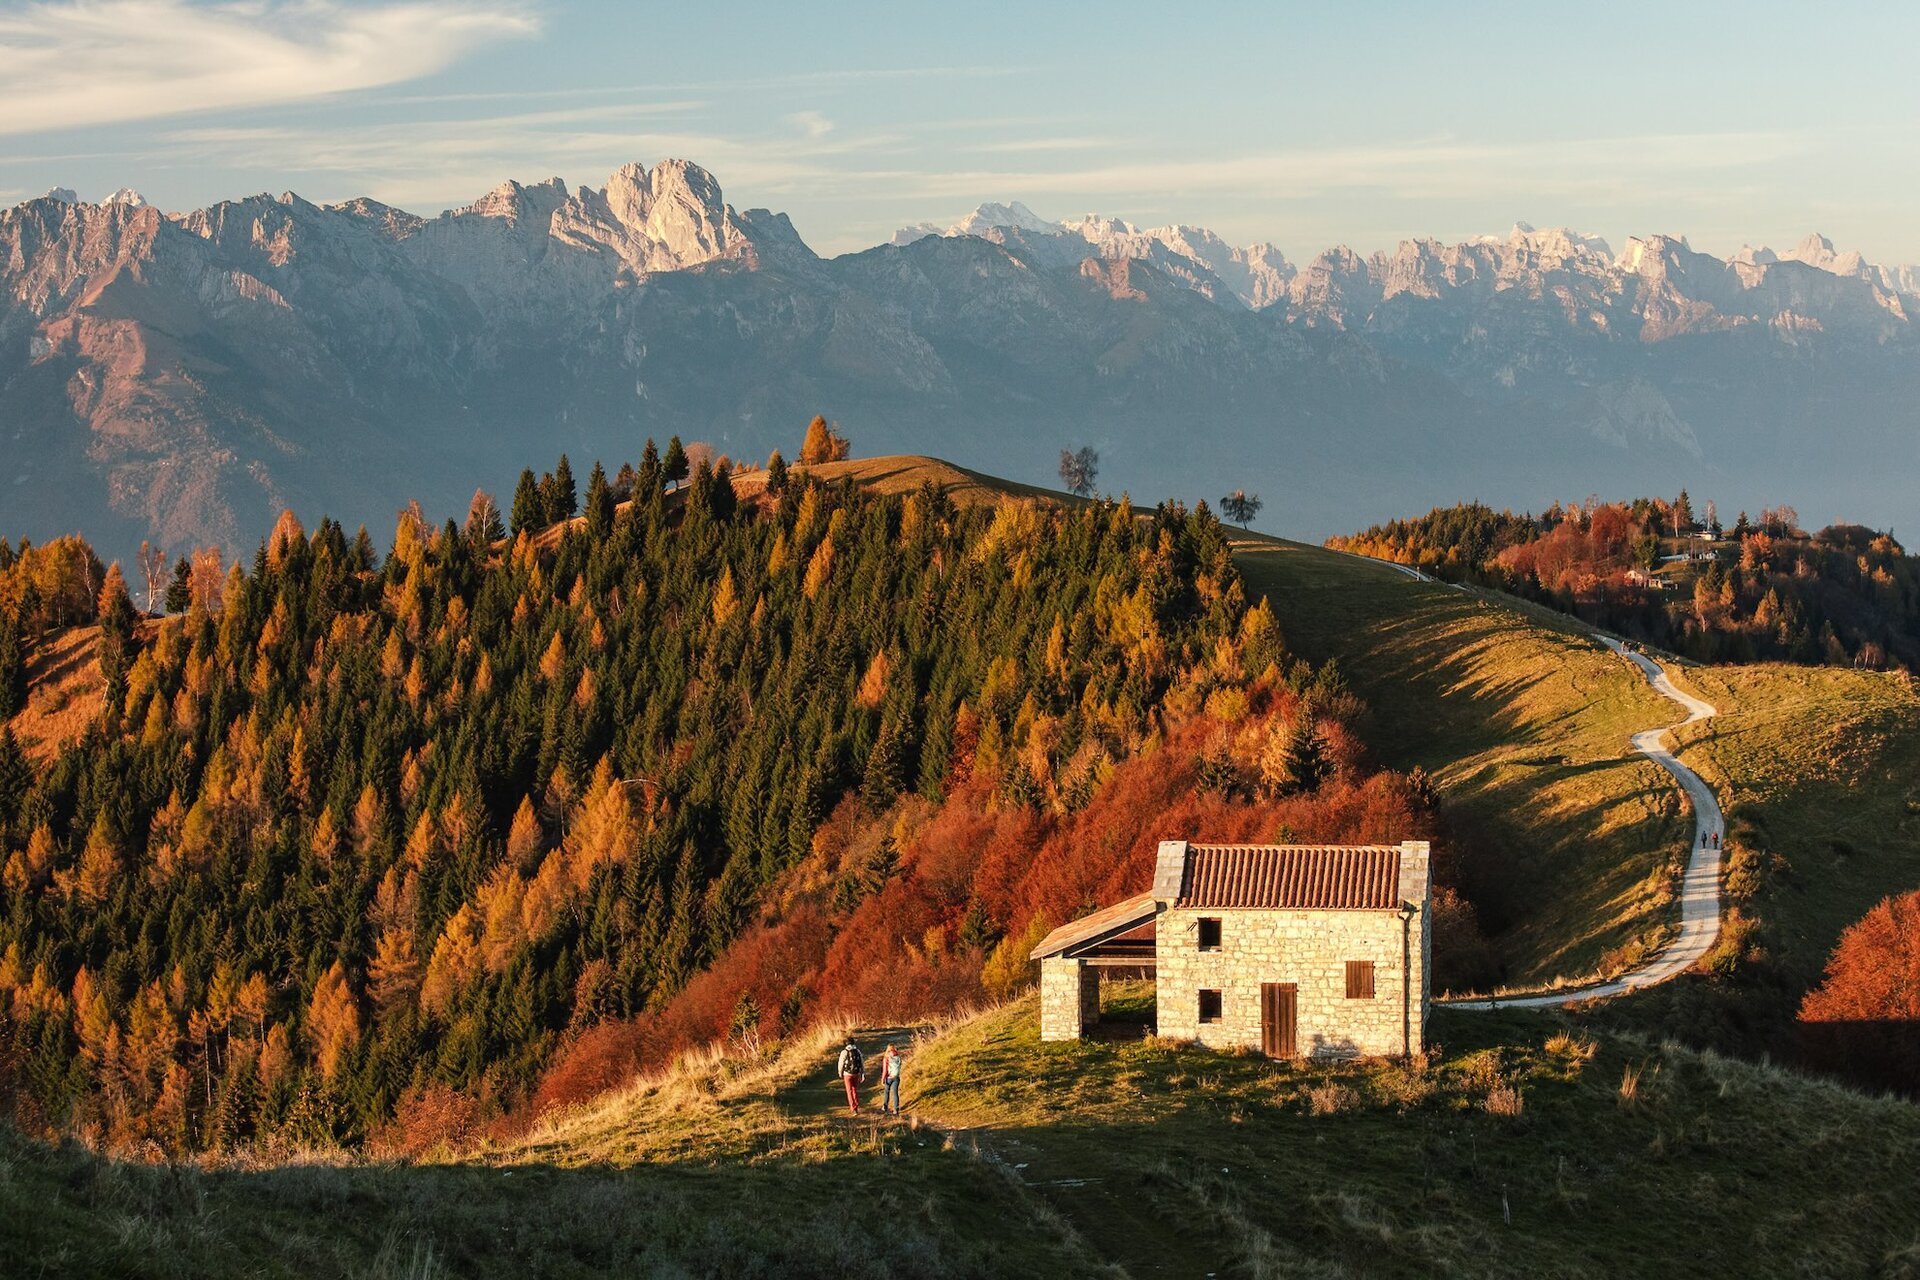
[(13, 666), (180, 590), (566, 500), (527, 515), (648, 480), (776, 473), (1306, 758), (599, 503), (115, 644), (361, 559), (886, 775), (721, 499), (675, 468), (16, 776)]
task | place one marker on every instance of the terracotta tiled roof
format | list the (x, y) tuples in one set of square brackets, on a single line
[(1117, 918), (1336, 877)]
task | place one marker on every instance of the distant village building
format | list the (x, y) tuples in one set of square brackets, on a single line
[(1296, 950)]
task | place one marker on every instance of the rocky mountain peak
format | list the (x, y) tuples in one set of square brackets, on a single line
[(127, 196), (677, 210)]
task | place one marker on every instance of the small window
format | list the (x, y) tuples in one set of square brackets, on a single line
[(1209, 1006), (1209, 934), (1359, 979)]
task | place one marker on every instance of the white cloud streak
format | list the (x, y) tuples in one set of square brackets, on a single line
[(91, 62)]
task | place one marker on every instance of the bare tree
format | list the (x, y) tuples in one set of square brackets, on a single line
[(153, 570), (483, 520), (1078, 467), (208, 578), (1241, 507)]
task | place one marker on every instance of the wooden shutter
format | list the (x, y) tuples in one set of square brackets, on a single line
[(1359, 979)]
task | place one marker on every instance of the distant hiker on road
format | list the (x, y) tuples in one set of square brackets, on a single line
[(853, 1069), (890, 1079), (1716, 839)]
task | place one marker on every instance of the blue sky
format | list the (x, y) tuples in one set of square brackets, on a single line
[(1306, 126)]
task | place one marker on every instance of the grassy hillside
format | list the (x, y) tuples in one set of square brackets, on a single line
[(1516, 1150), (1523, 720), (66, 693), (1822, 769)]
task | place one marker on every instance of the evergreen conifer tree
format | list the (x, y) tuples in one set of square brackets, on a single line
[(527, 515), (180, 590), (721, 499), (566, 500), (1306, 760), (13, 665), (648, 480), (599, 503), (674, 468)]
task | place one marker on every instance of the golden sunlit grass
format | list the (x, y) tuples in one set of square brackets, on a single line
[(65, 693), (1820, 768)]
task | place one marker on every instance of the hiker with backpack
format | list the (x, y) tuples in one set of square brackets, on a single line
[(853, 1069), (890, 1080)]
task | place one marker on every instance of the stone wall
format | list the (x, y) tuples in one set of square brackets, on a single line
[(1309, 949), (1069, 998)]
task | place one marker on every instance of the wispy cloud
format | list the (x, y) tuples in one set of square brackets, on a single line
[(1431, 168), (89, 62), (811, 123)]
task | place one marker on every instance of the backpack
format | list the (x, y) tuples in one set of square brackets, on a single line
[(852, 1062)]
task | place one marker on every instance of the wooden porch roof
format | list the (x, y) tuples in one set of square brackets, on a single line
[(1108, 922)]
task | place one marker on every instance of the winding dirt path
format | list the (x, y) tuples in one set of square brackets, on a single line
[(1700, 889)]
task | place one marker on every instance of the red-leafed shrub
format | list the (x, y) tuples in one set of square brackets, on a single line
[(601, 1058), (1863, 1022), (435, 1115)]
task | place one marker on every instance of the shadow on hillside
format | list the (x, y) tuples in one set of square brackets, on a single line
[(1423, 643), (808, 1199), (61, 654)]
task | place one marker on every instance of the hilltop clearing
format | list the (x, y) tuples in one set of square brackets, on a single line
[(1517, 1150)]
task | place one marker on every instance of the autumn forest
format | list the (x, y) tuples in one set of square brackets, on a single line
[(391, 848)]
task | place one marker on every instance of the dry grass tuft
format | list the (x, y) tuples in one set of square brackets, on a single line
[(1630, 1084), (1331, 1098), (1573, 1047), (1406, 1085), (1506, 1099)]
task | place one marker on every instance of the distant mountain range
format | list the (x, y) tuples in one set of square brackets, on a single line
[(185, 376)]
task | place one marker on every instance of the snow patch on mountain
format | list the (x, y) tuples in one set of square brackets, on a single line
[(1255, 276)]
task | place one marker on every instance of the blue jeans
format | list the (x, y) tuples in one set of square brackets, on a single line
[(890, 1101)]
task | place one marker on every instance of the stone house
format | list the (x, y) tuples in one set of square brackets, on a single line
[(1296, 950)]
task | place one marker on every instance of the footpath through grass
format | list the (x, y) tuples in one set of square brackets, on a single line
[(1572, 841)]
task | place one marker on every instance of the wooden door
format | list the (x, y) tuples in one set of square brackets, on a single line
[(1279, 1006)]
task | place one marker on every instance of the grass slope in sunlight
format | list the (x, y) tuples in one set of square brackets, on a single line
[(1516, 1150), (1524, 721), (1822, 770)]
